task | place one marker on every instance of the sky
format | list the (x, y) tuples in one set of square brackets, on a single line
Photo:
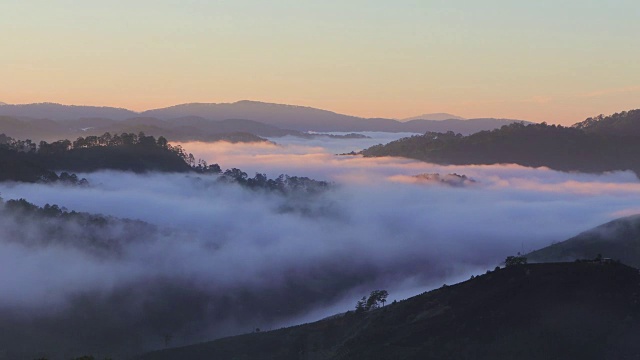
[(558, 61)]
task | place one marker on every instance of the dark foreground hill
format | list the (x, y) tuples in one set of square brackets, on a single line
[(618, 239), (536, 311), (534, 145)]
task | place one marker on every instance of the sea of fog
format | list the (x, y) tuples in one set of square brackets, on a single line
[(297, 259)]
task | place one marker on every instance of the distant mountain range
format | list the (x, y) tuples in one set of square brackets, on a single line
[(289, 117), (310, 119), (54, 111), (434, 116), (191, 129)]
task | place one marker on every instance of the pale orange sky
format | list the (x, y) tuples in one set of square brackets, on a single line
[(554, 61)]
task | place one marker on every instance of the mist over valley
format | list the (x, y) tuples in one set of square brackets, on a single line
[(159, 259)]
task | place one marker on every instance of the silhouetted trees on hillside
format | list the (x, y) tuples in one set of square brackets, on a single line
[(535, 145), (375, 299), (283, 183), (24, 161), (515, 260), (625, 123)]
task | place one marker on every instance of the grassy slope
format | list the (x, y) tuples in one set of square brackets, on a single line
[(536, 311), (618, 239)]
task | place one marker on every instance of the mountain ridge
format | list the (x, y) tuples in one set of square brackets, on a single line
[(434, 116), (289, 117), (618, 239), (55, 111)]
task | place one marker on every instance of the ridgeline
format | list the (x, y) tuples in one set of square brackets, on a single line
[(618, 239), (535, 145)]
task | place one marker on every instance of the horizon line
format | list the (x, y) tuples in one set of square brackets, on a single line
[(260, 102)]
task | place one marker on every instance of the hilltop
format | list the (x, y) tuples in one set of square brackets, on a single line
[(24, 160), (535, 311), (625, 123), (534, 145), (434, 116)]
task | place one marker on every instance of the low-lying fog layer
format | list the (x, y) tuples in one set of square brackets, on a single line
[(222, 259)]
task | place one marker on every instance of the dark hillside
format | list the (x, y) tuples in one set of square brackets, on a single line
[(136, 158), (15, 166), (626, 123), (556, 147), (24, 160), (536, 311), (618, 239)]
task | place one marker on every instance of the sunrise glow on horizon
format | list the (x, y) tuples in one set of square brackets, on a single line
[(554, 61)]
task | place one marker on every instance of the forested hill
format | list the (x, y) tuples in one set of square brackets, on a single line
[(535, 311), (626, 123), (535, 145), (29, 162), (24, 161)]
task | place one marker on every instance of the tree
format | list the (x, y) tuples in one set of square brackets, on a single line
[(361, 305), (79, 143), (258, 181), (515, 260), (129, 138), (105, 139), (162, 142), (236, 174), (148, 141), (214, 168), (376, 297)]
